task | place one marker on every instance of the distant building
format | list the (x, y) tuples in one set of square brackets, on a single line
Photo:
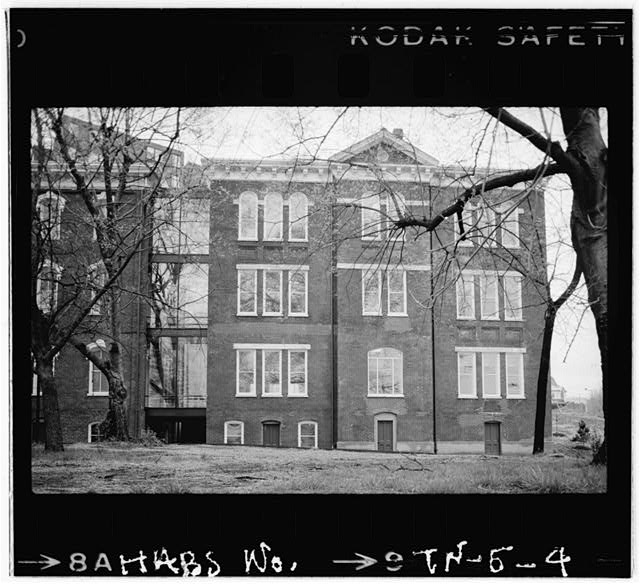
[(558, 393)]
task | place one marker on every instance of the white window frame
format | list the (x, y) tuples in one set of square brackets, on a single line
[(486, 225), (315, 425), (265, 224), (520, 361), (484, 278), (291, 273), (226, 431), (240, 207), (485, 363), (474, 376), (400, 358), (92, 370), (467, 223), (47, 265), (306, 373), (53, 226), (255, 293), (304, 220), (403, 312), (371, 201), (517, 278), (510, 229), (100, 279), (264, 370), (264, 293), (460, 282), (91, 424), (368, 275), (254, 393)]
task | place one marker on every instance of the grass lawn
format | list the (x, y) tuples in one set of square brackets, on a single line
[(106, 468)]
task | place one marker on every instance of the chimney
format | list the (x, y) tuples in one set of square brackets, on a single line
[(398, 133)]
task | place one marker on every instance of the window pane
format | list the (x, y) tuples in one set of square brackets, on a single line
[(166, 235), (487, 226), (179, 294), (247, 291), (297, 372), (307, 435), (246, 371), (233, 432), (513, 297), (162, 372), (489, 296), (194, 226), (271, 365), (272, 292), (273, 217), (193, 287), (298, 210), (465, 296), (466, 374), (298, 293), (385, 372), (467, 224), (192, 378), (248, 216), (491, 374), (511, 230), (371, 299), (371, 217), (515, 375), (396, 290)]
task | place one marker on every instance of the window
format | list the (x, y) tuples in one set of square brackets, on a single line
[(511, 229), (98, 384), (465, 297), (487, 225), (97, 281), (179, 294), (467, 224), (248, 217), (385, 372), (177, 372), (298, 217), (467, 375), (512, 285), (271, 373), (94, 434), (234, 432), (371, 293), (47, 287), (247, 292), (308, 435), (489, 297), (246, 372), (491, 375), (272, 292), (298, 292), (397, 292), (371, 217), (49, 208), (181, 225), (297, 373), (515, 375), (396, 207), (273, 217)]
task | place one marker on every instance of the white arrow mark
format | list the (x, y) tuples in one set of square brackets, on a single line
[(48, 562), (364, 562)]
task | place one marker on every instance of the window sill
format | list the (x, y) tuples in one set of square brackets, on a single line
[(272, 314), (467, 318), (298, 241), (516, 397), (298, 395), (306, 315), (246, 395), (246, 314), (467, 397), (492, 397), (372, 314), (398, 314), (247, 240), (271, 395), (490, 318), (105, 394), (385, 396), (514, 319)]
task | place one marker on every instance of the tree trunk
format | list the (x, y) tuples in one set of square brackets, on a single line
[(589, 222), (543, 380), (53, 428), (115, 426)]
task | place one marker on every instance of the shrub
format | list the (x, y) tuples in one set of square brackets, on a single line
[(583, 434), (149, 438)]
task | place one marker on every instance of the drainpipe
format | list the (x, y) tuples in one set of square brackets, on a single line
[(334, 329), (433, 337)]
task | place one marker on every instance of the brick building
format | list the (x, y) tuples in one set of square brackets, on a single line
[(284, 309)]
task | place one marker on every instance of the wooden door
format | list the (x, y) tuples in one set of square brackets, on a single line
[(385, 435), (492, 438), (271, 434)]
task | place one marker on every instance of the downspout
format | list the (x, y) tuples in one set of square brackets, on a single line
[(334, 328), (433, 338)]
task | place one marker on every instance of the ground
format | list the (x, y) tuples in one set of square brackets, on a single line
[(112, 468)]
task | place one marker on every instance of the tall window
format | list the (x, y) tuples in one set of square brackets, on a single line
[(510, 229), (371, 292), (47, 287), (490, 375), (273, 217), (467, 225), (385, 372), (247, 292), (465, 297), (97, 281), (308, 435), (489, 297), (467, 375), (272, 293), (248, 217), (297, 373), (487, 225), (271, 373), (397, 292), (515, 375), (298, 217), (298, 293), (233, 432), (371, 217), (512, 285), (246, 372), (98, 384), (49, 207)]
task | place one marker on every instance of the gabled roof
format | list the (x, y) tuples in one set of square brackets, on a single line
[(383, 136)]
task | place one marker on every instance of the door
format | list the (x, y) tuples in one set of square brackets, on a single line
[(385, 435), (492, 438), (271, 434)]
